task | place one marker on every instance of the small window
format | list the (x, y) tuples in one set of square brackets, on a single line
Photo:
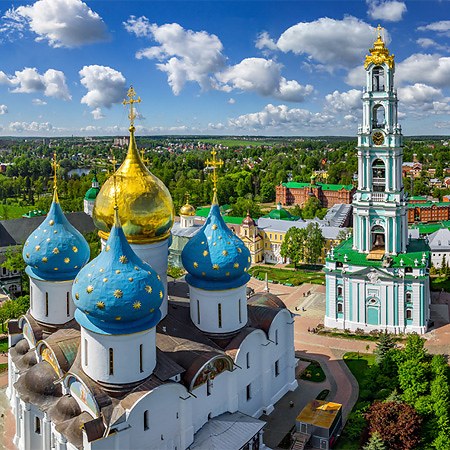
[(219, 313), (198, 312), (240, 312), (141, 361), (247, 358), (178, 415), (46, 304), (340, 308), (208, 386), (277, 368), (111, 361), (68, 305), (339, 291), (249, 391), (276, 337), (409, 314), (37, 425), (86, 352), (146, 420), (408, 296)]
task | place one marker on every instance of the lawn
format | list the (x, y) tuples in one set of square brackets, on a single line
[(313, 372), (14, 211), (3, 368), (3, 345), (288, 277)]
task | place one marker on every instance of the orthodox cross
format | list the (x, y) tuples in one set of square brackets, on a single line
[(143, 158), (214, 163), (55, 166), (131, 94)]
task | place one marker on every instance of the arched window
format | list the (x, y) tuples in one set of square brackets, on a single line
[(378, 79), (340, 308), (111, 361), (339, 291), (408, 297), (146, 420), (379, 176), (409, 314), (378, 237), (378, 116)]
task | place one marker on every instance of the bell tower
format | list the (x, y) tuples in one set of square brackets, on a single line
[(379, 206)]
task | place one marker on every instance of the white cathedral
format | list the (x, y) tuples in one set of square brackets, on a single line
[(379, 279), (104, 360)]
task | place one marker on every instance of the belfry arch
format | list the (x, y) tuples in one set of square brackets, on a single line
[(378, 83)]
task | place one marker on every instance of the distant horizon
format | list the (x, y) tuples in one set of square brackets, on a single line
[(285, 68)]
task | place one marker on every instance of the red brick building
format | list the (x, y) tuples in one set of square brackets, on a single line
[(428, 212), (293, 193)]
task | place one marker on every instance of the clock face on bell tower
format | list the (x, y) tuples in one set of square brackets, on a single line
[(378, 138)]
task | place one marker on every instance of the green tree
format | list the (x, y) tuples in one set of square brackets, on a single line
[(314, 242), (312, 206), (14, 261), (13, 309), (294, 245), (384, 344), (375, 443)]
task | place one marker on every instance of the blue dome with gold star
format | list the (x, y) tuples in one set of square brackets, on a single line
[(55, 251), (215, 257), (117, 292)]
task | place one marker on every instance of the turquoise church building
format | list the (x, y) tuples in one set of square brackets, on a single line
[(379, 278)]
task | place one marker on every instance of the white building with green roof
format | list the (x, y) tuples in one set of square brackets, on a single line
[(91, 195), (379, 278)]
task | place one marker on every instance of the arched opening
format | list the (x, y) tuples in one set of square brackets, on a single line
[(378, 116), (378, 79), (378, 176), (339, 291), (378, 237), (373, 311)]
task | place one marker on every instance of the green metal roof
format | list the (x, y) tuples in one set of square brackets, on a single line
[(428, 228), (204, 212), (34, 213), (325, 187), (92, 193), (429, 204), (417, 197), (414, 251)]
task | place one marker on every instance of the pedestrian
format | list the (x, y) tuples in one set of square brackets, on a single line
[(309, 330)]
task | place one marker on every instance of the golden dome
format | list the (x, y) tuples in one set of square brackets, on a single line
[(187, 209), (145, 205)]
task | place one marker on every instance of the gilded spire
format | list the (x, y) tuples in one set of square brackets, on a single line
[(214, 163), (55, 166), (379, 54), (116, 207)]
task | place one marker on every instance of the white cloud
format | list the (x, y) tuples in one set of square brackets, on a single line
[(330, 42), (231, 101), (280, 117), (430, 43), (62, 23), (264, 41), (264, 77), (184, 55), (21, 127), (52, 83), (38, 102), (442, 26), (387, 10), (344, 102), (442, 124), (3, 109), (421, 98), (97, 114), (105, 86), (424, 68)]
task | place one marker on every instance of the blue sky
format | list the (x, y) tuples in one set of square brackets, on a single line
[(216, 67)]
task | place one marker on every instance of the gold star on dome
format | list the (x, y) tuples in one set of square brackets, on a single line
[(27, 255), (118, 293), (67, 260), (55, 268), (214, 243), (100, 305), (47, 240), (214, 227), (89, 275), (44, 259), (75, 267), (105, 280), (123, 259), (249, 259), (161, 295), (101, 270), (51, 223), (220, 238), (55, 232), (236, 265), (76, 281), (148, 289), (203, 274), (26, 243), (37, 248), (137, 305), (89, 289), (75, 249), (205, 253), (117, 271), (107, 248), (152, 310), (195, 264), (216, 266), (239, 250), (130, 279), (227, 274), (55, 251), (77, 296), (159, 278), (136, 268), (118, 318)]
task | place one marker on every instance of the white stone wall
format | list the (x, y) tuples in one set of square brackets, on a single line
[(61, 307)]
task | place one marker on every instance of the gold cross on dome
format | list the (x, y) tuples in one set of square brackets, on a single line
[(214, 163), (55, 166), (143, 158), (131, 94)]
